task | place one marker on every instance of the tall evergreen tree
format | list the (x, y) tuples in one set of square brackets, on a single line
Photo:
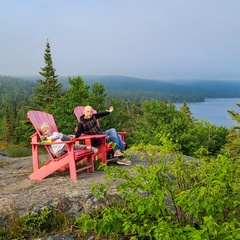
[(185, 109), (231, 148), (49, 88), (6, 126)]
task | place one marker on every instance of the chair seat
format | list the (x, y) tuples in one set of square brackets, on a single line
[(82, 153)]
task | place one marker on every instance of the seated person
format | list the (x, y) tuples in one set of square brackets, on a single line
[(88, 125), (59, 149)]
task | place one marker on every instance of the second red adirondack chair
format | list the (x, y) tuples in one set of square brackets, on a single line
[(107, 150)]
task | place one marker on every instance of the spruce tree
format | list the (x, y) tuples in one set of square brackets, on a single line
[(49, 88), (186, 110), (231, 148), (6, 126)]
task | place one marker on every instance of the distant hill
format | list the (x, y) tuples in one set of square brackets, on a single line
[(175, 90), (206, 88)]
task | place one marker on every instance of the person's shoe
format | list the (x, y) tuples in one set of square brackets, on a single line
[(95, 150), (117, 153), (124, 161)]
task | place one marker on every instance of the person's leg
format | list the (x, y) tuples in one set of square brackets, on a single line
[(65, 138), (61, 152), (82, 146), (114, 137), (79, 146)]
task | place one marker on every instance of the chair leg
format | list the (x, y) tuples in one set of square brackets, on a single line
[(90, 161)]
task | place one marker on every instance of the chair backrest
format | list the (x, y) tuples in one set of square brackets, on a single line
[(39, 117), (78, 111)]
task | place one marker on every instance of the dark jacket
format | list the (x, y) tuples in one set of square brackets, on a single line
[(90, 126)]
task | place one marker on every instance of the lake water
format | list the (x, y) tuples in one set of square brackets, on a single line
[(214, 110)]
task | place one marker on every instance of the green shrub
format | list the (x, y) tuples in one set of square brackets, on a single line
[(173, 198), (3, 145), (41, 224), (18, 151)]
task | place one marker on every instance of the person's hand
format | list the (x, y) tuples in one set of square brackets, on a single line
[(110, 109), (42, 137), (54, 139)]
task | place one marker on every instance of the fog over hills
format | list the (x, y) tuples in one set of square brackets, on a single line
[(126, 86), (205, 88)]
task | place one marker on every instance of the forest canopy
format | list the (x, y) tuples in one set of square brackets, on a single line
[(149, 120), (174, 90)]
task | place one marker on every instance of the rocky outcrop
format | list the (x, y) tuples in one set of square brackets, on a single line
[(20, 195)]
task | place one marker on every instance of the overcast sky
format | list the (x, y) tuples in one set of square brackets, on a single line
[(153, 39)]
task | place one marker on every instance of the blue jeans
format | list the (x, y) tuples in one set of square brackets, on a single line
[(114, 137)]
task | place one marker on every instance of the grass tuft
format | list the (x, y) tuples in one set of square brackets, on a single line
[(18, 151), (4, 163)]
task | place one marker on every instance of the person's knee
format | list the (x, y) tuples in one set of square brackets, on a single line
[(58, 154), (120, 137), (113, 130)]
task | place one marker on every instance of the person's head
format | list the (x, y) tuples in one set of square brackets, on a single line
[(88, 112), (45, 129)]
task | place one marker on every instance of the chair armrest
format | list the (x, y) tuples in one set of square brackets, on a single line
[(87, 138), (50, 143), (82, 137), (123, 133)]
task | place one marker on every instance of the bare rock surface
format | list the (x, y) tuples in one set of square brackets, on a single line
[(21, 195)]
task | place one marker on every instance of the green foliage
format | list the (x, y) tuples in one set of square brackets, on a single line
[(18, 151), (78, 91), (35, 225), (11, 117), (158, 119), (24, 131), (14, 92), (153, 120), (173, 198), (49, 88), (9, 123), (78, 94), (186, 112), (122, 118), (97, 96), (202, 134), (231, 148), (235, 115)]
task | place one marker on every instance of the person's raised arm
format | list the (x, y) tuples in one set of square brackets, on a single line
[(103, 114), (110, 109)]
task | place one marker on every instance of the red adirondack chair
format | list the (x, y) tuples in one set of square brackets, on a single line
[(62, 163), (107, 150)]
